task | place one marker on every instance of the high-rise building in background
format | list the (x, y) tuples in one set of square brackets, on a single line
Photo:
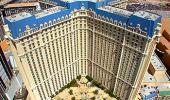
[(112, 45), (6, 75), (10, 79)]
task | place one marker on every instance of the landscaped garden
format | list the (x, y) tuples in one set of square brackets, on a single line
[(85, 88)]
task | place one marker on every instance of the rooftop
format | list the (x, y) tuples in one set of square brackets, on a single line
[(164, 93), (19, 16), (23, 4), (147, 90), (156, 62), (49, 11), (164, 90), (149, 78), (116, 10), (146, 15), (18, 22), (158, 66)]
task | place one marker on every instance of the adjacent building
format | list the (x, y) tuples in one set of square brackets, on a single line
[(10, 79), (25, 6), (6, 75), (15, 8), (119, 4), (112, 45), (156, 81), (163, 48)]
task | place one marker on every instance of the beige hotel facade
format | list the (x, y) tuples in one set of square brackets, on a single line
[(82, 43)]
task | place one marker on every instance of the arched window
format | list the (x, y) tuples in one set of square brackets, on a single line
[(54, 21), (62, 18), (50, 23), (66, 17), (99, 16), (58, 19), (120, 23), (111, 20), (115, 22), (95, 15), (45, 24), (107, 19), (103, 18), (124, 25), (41, 25)]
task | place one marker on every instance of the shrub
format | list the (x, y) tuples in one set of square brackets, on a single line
[(118, 98), (71, 92), (78, 77), (56, 93), (89, 78), (96, 83), (73, 98), (110, 93), (96, 92), (73, 83), (52, 95), (102, 87), (93, 98)]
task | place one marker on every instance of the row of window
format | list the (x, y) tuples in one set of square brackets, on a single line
[(122, 90), (129, 65), (106, 53), (104, 77)]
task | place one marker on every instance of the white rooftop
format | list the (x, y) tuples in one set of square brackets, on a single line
[(146, 90), (49, 11), (157, 64), (21, 4), (23, 15), (148, 77), (163, 87), (18, 16), (146, 15), (116, 10)]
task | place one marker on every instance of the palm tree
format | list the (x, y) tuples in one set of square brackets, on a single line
[(71, 92), (96, 92), (73, 98)]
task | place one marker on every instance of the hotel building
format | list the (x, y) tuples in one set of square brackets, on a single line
[(112, 45)]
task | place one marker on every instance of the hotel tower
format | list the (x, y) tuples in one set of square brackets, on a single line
[(54, 46)]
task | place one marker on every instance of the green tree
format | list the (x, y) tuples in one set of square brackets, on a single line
[(89, 78), (78, 77), (93, 98), (96, 92), (73, 98), (71, 92)]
